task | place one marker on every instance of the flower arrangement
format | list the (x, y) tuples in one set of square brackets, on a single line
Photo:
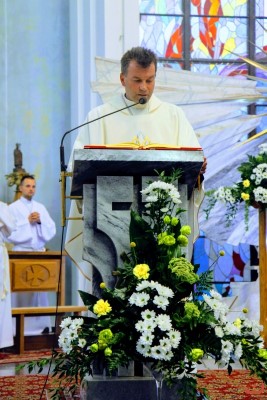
[(251, 190), (161, 311), (14, 178)]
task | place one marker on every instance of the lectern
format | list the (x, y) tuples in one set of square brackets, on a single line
[(110, 181)]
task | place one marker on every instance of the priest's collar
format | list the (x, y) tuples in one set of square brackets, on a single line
[(137, 106), (25, 201)]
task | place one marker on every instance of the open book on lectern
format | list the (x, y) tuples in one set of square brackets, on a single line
[(129, 159), (138, 146)]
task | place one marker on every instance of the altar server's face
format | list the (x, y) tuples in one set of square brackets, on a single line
[(27, 188), (138, 81)]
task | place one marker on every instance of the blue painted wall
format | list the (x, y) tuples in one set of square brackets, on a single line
[(35, 94)]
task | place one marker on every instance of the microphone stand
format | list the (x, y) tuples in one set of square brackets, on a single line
[(63, 167)]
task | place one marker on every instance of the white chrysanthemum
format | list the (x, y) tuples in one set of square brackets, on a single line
[(152, 198), (168, 355), (219, 331), (157, 352), (139, 326), (159, 185), (165, 343), (216, 295), (65, 322), (146, 338), (161, 302), (164, 323), (176, 201), (62, 340), (143, 349), (65, 344), (175, 338), (69, 333), (227, 349), (223, 319), (219, 309), (164, 290), (143, 285), (259, 173), (66, 349), (263, 148), (224, 194), (148, 314), (64, 333), (153, 284), (152, 191), (145, 325), (253, 327), (81, 343), (231, 329), (175, 197), (139, 299), (238, 351), (76, 323), (260, 194), (160, 353)]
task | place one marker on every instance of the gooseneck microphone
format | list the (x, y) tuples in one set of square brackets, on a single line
[(63, 166)]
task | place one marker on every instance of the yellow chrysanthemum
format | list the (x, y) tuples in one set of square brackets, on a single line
[(238, 323), (141, 271), (245, 196), (132, 244), (102, 307), (102, 285), (246, 183)]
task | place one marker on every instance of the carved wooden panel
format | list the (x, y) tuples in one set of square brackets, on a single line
[(34, 274)]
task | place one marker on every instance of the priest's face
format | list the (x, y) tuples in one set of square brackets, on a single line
[(138, 81), (27, 188)]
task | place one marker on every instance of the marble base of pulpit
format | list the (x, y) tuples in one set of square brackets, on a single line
[(124, 388)]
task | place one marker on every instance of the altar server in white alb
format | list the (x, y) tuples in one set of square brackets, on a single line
[(7, 225), (34, 229)]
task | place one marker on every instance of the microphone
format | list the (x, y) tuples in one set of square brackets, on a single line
[(63, 167)]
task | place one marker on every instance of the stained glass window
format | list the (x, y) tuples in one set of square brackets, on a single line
[(161, 7), (213, 31), (163, 34), (219, 8), (213, 37)]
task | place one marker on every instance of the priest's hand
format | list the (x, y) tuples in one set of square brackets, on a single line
[(34, 217), (204, 166)]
